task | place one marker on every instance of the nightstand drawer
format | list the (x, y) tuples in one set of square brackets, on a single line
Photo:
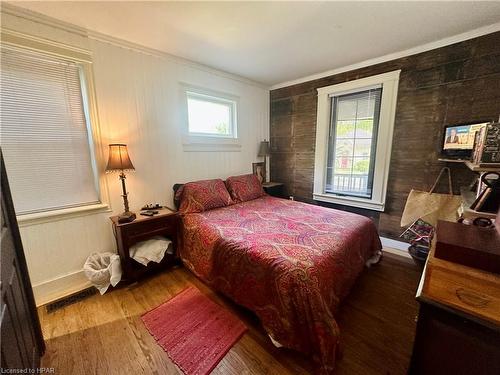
[(137, 231)]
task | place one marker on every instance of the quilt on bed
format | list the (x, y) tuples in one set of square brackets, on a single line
[(289, 262)]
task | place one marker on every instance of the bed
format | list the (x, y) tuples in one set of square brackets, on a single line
[(291, 263)]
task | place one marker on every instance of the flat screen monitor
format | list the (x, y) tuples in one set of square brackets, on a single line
[(458, 140)]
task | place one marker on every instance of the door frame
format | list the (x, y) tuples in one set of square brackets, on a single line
[(11, 219)]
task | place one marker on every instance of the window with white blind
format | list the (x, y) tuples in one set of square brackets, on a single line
[(353, 141), (46, 137)]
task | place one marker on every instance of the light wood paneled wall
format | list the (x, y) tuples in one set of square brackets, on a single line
[(139, 99)]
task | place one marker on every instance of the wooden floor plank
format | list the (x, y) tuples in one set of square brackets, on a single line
[(105, 335)]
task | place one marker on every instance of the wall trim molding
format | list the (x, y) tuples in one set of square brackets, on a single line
[(62, 214), (17, 39), (9, 8), (74, 282), (63, 286), (95, 35), (210, 147), (60, 287), (399, 253), (66, 285), (396, 55), (395, 247)]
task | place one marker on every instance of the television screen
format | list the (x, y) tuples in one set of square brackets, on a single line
[(460, 137)]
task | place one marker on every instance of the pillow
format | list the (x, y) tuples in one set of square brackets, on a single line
[(204, 195), (245, 187)]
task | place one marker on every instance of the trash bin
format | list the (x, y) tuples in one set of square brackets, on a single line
[(103, 270)]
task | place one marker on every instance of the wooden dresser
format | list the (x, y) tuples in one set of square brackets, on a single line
[(458, 326)]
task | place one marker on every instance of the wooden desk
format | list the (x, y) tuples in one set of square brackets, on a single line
[(458, 327)]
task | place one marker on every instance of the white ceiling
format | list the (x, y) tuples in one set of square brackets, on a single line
[(273, 42)]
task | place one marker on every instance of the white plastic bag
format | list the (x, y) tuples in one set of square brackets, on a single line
[(103, 270)]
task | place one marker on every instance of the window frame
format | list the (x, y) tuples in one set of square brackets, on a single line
[(209, 142), (231, 104), (389, 82), (83, 58)]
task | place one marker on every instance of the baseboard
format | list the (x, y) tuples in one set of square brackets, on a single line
[(60, 287), (74, 282), (395, 247)]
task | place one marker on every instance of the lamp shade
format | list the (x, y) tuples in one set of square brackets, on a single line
[(264, 148), (118, 158)]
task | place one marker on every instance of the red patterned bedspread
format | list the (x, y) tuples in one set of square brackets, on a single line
[(289, 262)]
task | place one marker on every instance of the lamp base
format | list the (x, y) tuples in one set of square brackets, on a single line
[(126, 217)]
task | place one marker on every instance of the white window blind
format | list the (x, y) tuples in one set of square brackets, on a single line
[(45, 138), (352, 142)]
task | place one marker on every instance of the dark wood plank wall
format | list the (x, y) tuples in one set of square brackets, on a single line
[(448, 85)]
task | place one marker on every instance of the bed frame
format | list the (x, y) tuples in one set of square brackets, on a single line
[(177, 200)]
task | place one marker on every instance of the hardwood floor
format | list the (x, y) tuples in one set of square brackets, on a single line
[(104, 334)]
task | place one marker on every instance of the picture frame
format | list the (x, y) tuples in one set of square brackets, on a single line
[(259, 169)]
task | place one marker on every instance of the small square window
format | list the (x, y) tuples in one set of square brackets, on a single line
[(211, 116)]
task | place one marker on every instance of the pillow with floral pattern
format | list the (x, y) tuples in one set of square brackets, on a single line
[(204, 195), (244, 188)]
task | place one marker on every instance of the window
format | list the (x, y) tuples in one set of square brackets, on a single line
[(45, 133), (211, 116), (353, 141)]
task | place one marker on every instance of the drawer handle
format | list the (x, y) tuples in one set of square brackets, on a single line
[(472, 298)]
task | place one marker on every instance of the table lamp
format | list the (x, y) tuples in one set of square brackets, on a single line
[(264, 151), (119, 161)]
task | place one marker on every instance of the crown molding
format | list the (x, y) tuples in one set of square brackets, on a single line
[(396, 55), (166, 56), (9, 8), (31, 42), (13, 10)]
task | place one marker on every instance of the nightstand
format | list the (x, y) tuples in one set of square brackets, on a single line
[(275, 189), (165, 223)]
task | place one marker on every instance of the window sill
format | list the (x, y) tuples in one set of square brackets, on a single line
[(350, 201), (210, 144), (62, 214)]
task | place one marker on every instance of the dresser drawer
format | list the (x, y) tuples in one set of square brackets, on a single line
[(477, 297)]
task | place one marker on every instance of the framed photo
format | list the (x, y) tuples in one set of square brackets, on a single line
[(259, 169)]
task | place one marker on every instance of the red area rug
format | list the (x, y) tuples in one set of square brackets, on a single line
[(194, 331)]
